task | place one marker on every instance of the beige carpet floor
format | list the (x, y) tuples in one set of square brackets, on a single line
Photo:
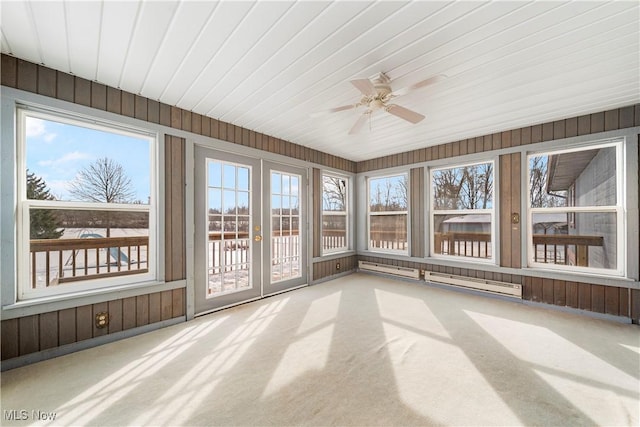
[(359, 350)]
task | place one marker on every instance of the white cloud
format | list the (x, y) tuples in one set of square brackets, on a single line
[(58, 188), (69, 157), (37, 128)]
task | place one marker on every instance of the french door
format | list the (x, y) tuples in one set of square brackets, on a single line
[(250, 228)]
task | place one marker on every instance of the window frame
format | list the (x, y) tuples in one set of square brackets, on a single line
[(491, 211), (406, 212), (346, 213), (619, 209), (24, 205)]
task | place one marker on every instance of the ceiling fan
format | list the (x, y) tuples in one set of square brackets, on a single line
[(376, 94)]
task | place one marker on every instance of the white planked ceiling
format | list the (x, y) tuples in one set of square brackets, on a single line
[(267, 65)]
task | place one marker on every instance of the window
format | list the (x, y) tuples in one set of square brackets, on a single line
[(86, 216), (462, 211), (575, 209), (335, 213), (387, 212)]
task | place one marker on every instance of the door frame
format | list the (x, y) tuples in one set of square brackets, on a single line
[(304, 227), (202, 303), (191, 144)]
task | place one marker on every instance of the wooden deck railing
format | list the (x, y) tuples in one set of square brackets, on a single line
[(475, 245), (55, 261), (388, 239), (564, 248), (333, 239), (230, 250)]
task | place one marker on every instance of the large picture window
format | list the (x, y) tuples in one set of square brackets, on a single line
[(575, 209), (86, 216), (387, 214), (462, 211), (335, 213)]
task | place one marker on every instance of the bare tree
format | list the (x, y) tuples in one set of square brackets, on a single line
[(476, 188), (391, 195), (447, 184), (538, 177), (334, 194), (103, 181)]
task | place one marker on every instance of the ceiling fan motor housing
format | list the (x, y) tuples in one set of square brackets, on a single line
[(381, 83)]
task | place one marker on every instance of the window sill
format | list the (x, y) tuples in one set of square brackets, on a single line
[(334, 255), (64, 301)]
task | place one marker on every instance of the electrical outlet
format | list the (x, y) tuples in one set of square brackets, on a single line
[(338, 266), (102, 320)]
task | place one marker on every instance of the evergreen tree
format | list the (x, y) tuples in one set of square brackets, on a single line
[(43, 222)]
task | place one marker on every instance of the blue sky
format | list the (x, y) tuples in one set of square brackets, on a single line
[(56, 152)]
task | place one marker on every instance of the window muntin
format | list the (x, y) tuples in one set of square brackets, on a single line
[(575, 209), (462, 213), (335, 213), (388, 214), (86, 205)]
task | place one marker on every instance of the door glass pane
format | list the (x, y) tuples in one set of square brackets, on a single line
[(229, 176), (285, 234), (276, 181), (229, 223), (243, 179), (215, 174)]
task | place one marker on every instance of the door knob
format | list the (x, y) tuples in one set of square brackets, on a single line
[(258, 238)]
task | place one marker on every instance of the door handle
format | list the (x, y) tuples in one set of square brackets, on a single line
[(258, 238)]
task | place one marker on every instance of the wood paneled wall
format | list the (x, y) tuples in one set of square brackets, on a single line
[(30, 334), (31, 77), (325, 269), (618, 301), (174, 208), (618, 118), (509, 206), (417, 194), (48, 330)]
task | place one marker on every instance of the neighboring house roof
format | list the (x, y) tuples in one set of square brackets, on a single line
[(565, 168)]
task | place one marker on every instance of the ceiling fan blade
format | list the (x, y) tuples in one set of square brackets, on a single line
[(404, 113), (357, 127), (365, 86), (333, 110), (423, 83)]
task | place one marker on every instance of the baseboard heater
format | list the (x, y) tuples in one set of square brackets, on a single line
[(492, 286), (413, 273)]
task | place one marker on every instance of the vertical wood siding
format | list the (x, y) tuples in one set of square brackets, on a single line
[(324, 269), (44, 331), (611, 300), (31, 77), (48, 330), (600, 299), (509, 205), (418, 230), (619, 118), (174, 208)]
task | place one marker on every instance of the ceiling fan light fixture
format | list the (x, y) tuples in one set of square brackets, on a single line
[(376, 93), (376, 104)]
